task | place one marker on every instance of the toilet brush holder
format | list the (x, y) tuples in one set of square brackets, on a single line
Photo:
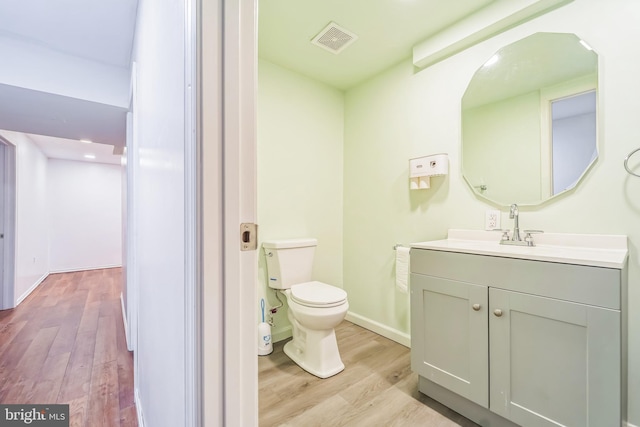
[(264, 335), (264, 339)]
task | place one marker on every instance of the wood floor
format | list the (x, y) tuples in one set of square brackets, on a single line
[(65, 344), (377, 388)]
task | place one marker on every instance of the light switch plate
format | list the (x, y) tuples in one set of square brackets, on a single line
[(491, 220)]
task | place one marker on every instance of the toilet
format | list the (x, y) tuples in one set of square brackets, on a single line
[(315, 308)]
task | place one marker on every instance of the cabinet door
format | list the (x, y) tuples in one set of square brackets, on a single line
[(449, 343), (553, 362)]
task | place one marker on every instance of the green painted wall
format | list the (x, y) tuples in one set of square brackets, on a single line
[(335, 166), (404, 113), (509, 129), (300, 164), (387, 123)]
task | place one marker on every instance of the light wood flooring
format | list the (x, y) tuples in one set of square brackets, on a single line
[(377, 388), (65, 343)]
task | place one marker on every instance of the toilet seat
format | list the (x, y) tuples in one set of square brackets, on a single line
[(317, 294)]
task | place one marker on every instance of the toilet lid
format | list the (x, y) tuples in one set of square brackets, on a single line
[(317, 294)]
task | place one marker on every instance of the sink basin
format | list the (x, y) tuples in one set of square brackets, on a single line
[(596, 250)]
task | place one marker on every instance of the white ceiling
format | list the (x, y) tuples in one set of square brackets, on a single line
[(71, 149), (387, 30), (103, 31), (100, 31), (30, 111)]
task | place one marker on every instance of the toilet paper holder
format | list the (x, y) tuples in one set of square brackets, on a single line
[(421, 169)]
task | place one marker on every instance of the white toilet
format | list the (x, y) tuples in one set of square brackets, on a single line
[(315, 308)]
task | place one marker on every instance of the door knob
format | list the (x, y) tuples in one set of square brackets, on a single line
[(476, 307), (497, 312)]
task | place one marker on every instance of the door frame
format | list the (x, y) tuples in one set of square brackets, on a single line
[(227, 70), (240, 77), (7, 293), (193, 228), (130, 282)]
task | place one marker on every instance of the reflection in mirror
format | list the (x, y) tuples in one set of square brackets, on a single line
[(573, 139), (529, 120)]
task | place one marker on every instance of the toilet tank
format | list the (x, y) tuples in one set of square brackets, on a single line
[(289, 261)]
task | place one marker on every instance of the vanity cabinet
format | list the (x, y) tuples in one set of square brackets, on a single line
[(450, 339), (509, 341)]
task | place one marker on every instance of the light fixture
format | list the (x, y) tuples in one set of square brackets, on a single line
[(89, 156)]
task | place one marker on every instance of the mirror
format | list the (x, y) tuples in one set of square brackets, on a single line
[(529, 120)]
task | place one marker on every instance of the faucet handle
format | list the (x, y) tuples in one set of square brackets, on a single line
[(528, 236), (505, 233)]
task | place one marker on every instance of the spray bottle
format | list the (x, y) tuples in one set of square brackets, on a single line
[(264, 335)]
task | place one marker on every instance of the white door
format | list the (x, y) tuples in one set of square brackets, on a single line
[(7, 223), (3, 176), (130, 293)]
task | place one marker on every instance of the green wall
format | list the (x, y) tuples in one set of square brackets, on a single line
[(387, 123), (404, 113), (335, 166), (511, 129), (300, 164)]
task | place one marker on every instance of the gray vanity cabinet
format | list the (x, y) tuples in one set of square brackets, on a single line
[(451, 341), (519, 342), (551, 360)]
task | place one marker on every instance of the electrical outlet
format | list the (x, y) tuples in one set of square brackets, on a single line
[(491, 220)]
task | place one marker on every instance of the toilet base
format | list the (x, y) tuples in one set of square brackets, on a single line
[(315, 351)]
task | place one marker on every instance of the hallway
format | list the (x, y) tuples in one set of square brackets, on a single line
[(66, 344)]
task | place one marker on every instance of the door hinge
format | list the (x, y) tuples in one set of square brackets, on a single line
[(248, 236)]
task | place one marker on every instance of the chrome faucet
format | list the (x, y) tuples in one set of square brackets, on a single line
[(515, 238), (513, 214)]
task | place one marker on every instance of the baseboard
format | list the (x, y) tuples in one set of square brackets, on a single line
[(139, 409), (380, 329), (282, 334), (372, 325), (73, 270), (124, 321), (31, 289)]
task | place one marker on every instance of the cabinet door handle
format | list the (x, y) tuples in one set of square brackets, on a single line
[(476, 307), (497, 312)]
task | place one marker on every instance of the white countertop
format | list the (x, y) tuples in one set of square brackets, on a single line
[(596, 250)]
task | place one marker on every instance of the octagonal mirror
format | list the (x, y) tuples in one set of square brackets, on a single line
[(529, 120)]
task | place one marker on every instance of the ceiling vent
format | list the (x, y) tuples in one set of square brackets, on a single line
[(334, 38)]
